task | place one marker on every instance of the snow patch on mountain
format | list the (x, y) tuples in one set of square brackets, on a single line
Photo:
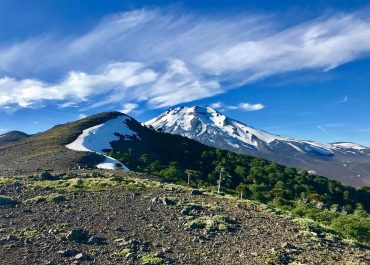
[(349, 146), (98, 138), (295, 147)]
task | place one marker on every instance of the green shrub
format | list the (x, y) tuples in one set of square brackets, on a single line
[(37, 199), (52, 197), (351, 226), (7, 201), (123, 252), (211, 223), (57, 197), (79, 183)]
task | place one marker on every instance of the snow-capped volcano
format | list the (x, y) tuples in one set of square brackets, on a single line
[(210, 127), (206, 122)]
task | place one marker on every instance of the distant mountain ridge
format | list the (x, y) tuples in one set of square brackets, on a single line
[(89, 141), (344, 161), (11, 137)]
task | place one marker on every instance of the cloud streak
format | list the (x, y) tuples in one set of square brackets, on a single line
[(245, 106), (343, 100), (165, 57), (117, 82)]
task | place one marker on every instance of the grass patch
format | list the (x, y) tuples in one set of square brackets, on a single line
[(55, 197), (37, 199), (123, 252), (276, 257), (6, 181), (28, 233), (151, 258), (97, 184)]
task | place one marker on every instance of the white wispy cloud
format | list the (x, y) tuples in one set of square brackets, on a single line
[(321, 128), (217, 105), (129, 107), (118, 82), (166, 57), (343, 100), (251, 107), (245, 106)]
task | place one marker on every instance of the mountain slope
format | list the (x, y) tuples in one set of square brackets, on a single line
[(11, 137), (346, 162), (47, 151)]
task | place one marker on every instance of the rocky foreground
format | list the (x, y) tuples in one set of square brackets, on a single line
[(99, 217)]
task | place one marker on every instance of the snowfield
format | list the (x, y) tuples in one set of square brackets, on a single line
[(349, 146), (98, 138)]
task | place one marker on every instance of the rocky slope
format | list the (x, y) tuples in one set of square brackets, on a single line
[(83, 217), (346, 162)]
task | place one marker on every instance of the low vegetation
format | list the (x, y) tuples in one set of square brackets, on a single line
[(212, 223), (55, 197), (123, 252), (96, 183), (151, 259)]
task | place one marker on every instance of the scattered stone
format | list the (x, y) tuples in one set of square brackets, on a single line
[(166, 201), (288, 245), (82, 257), (146, 246), (155, 200), (78, 235), (196, 192), (96, 240), (134, 244), (68, 252), (47, 176), (12, 238), (119, 230), (170, 189)]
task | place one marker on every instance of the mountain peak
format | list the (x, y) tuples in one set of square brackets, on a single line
[(208, 126), (206, 122), (195, 109)]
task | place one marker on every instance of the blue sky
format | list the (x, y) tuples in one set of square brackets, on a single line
[(296, 68)]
